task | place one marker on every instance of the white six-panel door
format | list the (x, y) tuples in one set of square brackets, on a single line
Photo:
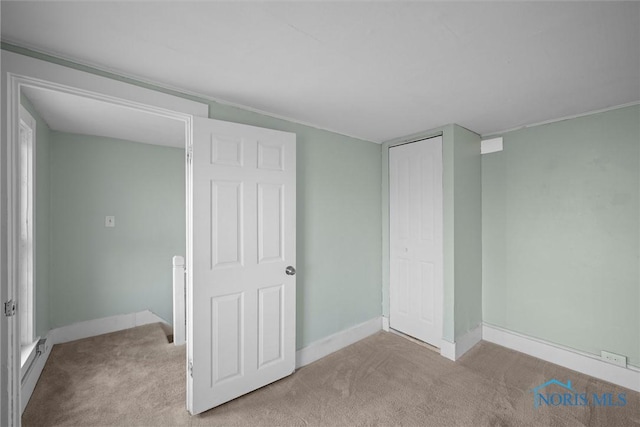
[(416, 229), (241, 319)]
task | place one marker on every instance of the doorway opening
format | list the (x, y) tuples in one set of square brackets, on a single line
[(22, 203)]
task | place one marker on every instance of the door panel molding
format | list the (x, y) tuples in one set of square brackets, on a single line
[(243, 219)]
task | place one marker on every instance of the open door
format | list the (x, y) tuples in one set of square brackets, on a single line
[(242, 291)]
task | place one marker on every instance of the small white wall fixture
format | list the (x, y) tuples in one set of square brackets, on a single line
[(492, 145)]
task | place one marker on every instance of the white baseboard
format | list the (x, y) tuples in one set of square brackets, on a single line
[(337, 341), (105, 325), (560, 355), (453, 351), (32, 377), (385, 324), (468, 341), (448, 350)]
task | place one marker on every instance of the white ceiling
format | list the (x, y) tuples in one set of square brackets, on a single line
[(64, 112), (375, 70)]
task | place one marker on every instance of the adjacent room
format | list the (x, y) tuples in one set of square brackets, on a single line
[(92, 158), (422, 213)]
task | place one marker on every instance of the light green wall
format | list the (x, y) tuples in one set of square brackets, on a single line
[(97, 271), (461, 228), (467, 231), (338, 218), (561, 233), (41, 283)]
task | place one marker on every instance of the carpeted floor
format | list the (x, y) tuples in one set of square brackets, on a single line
[(135, 377)]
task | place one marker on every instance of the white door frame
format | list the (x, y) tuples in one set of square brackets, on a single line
[(18, 71)]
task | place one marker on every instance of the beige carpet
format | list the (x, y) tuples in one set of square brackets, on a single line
[(135, 377)]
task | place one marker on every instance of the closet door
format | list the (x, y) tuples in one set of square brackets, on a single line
[(416, 251)]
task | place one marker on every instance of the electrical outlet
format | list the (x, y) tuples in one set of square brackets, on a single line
[(616, 359)]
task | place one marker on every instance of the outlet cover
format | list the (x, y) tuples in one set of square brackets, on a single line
[(616, 359)]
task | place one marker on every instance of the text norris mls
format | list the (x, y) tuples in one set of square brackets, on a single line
[(571, 398)]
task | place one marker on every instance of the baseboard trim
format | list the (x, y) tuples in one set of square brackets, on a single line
[(105, 325), (385, 324), (448, 350), (468, 341), (453, 351), (33, 375), (560, 355), (337, 341)]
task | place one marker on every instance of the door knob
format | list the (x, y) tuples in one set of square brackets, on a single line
[(290, 271)]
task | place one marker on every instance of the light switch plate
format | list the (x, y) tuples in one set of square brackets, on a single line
[(109, 221)]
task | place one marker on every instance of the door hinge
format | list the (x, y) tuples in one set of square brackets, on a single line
[(189, 153), (191, 369), (9, 308)]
